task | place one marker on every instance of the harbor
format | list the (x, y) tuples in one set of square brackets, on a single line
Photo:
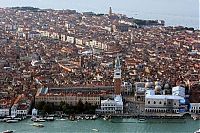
[(114, 125)]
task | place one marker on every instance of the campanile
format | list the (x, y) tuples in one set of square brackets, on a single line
[(117, 76)]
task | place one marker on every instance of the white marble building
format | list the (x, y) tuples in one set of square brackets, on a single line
[(195, 108), (4, 112), (109, 106)]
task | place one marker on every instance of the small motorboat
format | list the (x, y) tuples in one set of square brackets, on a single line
[(94, 129), (87, 117), (196, 117), (39, 120), (49, 118), (142, 119), (107, 117), (62, 119), (198, 131), (37, 125), (8, 131), (12, 121)]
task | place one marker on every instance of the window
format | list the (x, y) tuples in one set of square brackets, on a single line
[(154, 102), (148, 102), (160, 102), (164, 103)]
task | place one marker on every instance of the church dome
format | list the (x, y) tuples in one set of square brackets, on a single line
[(157, 83), (148, 84), (166, 86), (158, 89)]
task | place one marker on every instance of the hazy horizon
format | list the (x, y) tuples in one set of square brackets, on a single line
[(174, 12)]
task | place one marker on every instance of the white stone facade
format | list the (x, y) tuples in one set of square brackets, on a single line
[(4, 112), (162, 103), (112, 106), (195, 108)]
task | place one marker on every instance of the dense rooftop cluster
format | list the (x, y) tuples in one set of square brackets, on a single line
[(62, 48)]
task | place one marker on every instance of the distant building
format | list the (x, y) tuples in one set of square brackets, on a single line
[(121, 27)]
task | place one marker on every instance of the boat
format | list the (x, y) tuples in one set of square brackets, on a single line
[(71, 117), (39, 120), (198, 131), (108, 117), (12, 121), (94, 129), (8, 131), (87, 117), (37, 125), (196, 117), (142, 119), (19, 119), (79, 118), (49, 118), (5, 119), (62, 119), (94, 117)]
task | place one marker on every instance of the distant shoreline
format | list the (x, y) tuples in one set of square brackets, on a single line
[(138, 16)]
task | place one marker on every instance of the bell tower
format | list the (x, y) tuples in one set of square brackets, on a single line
[(110, 11), (117, 76)]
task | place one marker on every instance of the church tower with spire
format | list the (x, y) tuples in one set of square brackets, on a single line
[(117, 76), (110, 11)]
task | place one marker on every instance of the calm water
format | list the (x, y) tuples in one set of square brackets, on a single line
[(115, 126), (174, 12)]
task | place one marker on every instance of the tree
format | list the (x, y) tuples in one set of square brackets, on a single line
[(40, 105), (48, 108), (86, 106), (61, 105), (80, 106)]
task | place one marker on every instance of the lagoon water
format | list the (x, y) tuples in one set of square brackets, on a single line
[(174, 12), (114, 126)]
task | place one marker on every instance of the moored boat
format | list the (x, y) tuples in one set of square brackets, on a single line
[(195, 117), (94, 117), (12, 121), (107, 117), (87, 117), (39, 120), (71, 117), (8, 131), (48, 118)]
